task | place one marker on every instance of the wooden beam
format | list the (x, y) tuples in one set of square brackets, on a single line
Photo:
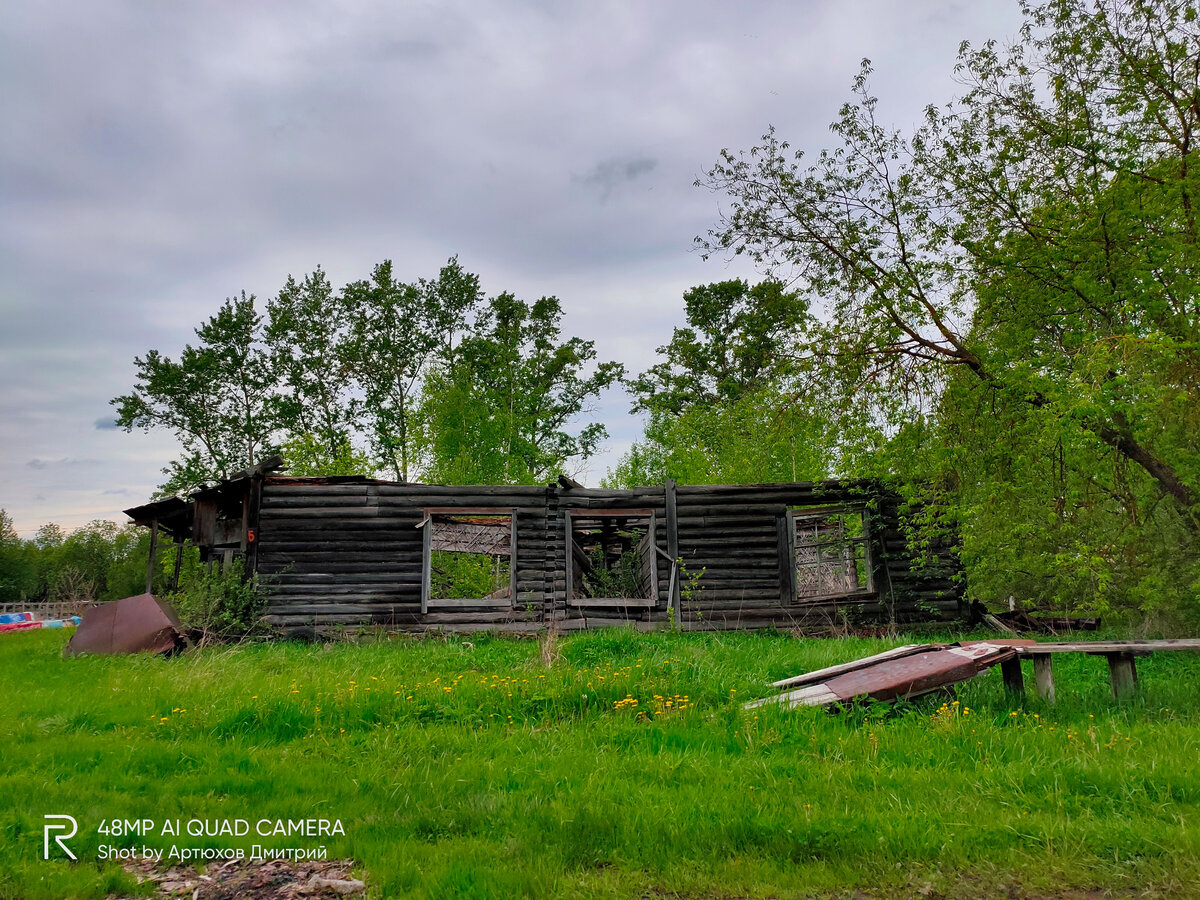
[(1043, 677), (672, 516), (178, 564), (1014, 680), (253, 519), (512, 560), (204, 523), (1122, 672), (786, 557), (153, 554), (426, 566)]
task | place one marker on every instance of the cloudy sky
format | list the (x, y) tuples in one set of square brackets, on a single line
[(157, 158)]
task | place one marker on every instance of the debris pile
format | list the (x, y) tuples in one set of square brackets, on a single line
[(275, 879), (903, 672)]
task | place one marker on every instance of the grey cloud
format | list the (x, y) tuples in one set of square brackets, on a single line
[(613, 173), (65, 462), (106, 423)]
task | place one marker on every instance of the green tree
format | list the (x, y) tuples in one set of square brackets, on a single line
[(738, 339), (218, 399), (1021, 268), (501, 406), (307, 333), (760, 437), (18, 572), (720, 401), (397, 330), (309, 455)]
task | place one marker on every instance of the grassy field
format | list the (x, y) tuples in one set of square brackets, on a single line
[(625, 767)]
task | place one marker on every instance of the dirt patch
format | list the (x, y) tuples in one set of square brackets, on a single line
[(274, 879)]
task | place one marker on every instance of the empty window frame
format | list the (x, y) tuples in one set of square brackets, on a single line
[(829, 551), (611, 558), (469, 557)]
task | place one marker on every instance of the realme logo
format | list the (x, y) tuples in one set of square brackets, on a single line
[(58, 823)]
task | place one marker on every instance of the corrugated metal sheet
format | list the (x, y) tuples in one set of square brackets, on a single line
[(129, 625), (907, 671)]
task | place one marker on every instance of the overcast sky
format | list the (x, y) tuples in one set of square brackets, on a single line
[(156, 158)]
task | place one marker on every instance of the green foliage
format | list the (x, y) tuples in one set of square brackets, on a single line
[(760, 437), (1009, 318), (18, 573), (736, 343), (466, 575), (415, 379), (721, 403), (216, 399), (99, 561), (306, 331), (398, 332), (620, 578), (500, 410), (307, 454), (221, 604)]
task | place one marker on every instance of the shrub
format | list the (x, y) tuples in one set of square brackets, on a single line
[(221, 604)]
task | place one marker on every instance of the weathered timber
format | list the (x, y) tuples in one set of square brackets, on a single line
[(362, 546), (1043, 677), (152, 555), (1122, 672), (1014, 679)]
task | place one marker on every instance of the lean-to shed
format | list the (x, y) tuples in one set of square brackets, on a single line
[(352, 551)]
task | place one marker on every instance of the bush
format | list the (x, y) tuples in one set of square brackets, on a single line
[(221, 604)]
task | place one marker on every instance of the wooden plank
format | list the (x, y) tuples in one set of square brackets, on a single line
[(178, 565), (273, 501), (787, 593), (611, 602), (334, 579), (512, 557), (1122, 672), (253, 523), (318, 558), (1043, 677), (1106, 647), (349, 515), (426, 567), (204, 523), (671, 514), (1014, 679), (358, 608), (151, 558), (482, 603), (852, 666)]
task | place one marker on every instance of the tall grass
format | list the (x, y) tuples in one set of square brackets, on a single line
[(618, 765)]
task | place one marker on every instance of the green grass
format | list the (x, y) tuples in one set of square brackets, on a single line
[(478, 771)]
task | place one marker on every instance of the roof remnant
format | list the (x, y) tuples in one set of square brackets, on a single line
[(128, 625), (916, 669), (907, 671)]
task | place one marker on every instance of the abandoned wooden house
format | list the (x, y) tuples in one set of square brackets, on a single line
[(348, 551)]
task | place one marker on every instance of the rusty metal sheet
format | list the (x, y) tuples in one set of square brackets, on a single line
[(128, 625), (888, 676)]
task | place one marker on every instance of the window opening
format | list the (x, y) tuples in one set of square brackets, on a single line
[(469, 557), (830, 553), (612, 558)]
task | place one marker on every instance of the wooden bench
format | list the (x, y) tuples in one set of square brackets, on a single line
[(1122, 670)]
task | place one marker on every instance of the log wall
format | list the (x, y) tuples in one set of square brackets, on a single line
[(349, 552)]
